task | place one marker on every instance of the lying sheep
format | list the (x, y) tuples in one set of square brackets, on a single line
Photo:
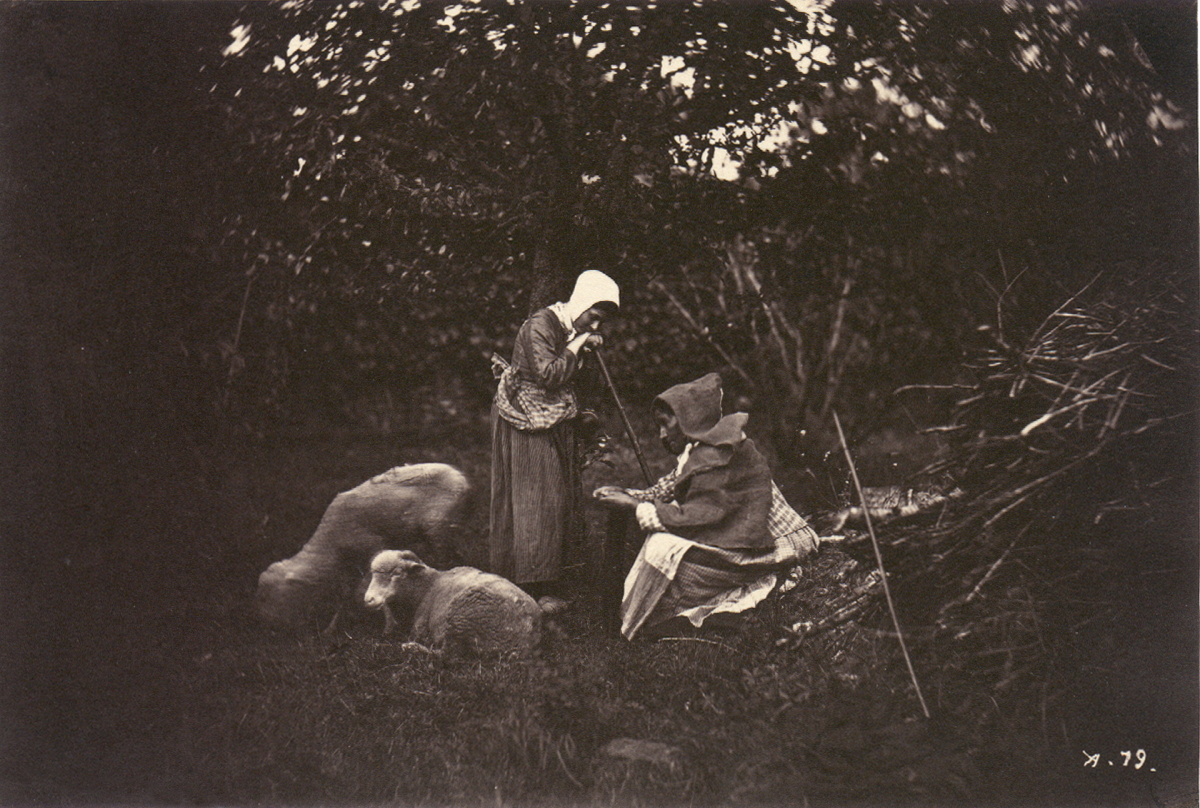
[(416, 506), (462, 611)]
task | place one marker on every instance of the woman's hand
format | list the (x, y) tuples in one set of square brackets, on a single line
[(585, 341), (614, 496)]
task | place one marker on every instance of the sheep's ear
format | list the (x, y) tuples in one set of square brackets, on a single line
[(407, 570)]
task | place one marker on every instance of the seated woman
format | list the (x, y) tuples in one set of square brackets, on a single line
[(719, 530)]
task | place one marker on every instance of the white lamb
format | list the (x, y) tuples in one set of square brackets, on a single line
[(416, 506), (462, 611)]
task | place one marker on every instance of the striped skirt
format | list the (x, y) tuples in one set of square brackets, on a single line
[(535, 501)]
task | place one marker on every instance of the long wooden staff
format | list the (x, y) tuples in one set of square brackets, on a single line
[(637, 449), (887, 592)]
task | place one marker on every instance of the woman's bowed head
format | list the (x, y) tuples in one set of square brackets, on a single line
[(595, 297), (686, 413)]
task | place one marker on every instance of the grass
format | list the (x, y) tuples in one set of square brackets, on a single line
[(167, 692), (354, 718)]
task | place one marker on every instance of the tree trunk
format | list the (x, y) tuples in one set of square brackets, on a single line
[(551, 275)]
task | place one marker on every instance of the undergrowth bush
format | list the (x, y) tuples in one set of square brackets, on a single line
[(1074, 443)]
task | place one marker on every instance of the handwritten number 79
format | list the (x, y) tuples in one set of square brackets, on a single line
[(1092, 761)]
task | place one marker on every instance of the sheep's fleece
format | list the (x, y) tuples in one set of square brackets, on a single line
[(462, 611), (416, 506)]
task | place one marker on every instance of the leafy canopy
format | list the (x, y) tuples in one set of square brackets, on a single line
[(421, 170), (419, 138)]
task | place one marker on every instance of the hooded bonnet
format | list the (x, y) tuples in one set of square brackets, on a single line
[(697, 406), (591, 287)]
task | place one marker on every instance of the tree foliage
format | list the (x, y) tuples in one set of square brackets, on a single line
[(502, 129), (962, 161), (462, 156), (825, 200)]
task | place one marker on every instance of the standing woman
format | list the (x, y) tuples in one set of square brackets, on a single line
[(536, 498)]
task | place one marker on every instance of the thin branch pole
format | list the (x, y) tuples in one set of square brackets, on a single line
[(797, 379), (1022, 494), (835, 338), (637, 447), (992, 569), (887, 592), (237, 340), (702, 331)]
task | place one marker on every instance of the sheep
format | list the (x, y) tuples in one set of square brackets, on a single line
[(414, 506), (461, 611)]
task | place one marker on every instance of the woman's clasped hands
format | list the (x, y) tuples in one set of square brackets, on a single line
[(585, 341)]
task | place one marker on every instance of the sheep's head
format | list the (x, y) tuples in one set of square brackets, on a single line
[(291, 593), (396, 575)]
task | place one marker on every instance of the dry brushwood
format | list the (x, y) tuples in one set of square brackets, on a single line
[(1056, 440), (857, 591)]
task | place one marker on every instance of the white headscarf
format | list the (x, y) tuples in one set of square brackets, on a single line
[(591, 287)]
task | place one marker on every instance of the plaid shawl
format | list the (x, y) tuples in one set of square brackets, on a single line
[(526, 406)]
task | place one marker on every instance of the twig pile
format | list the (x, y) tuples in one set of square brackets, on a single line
[(1072, 447)]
